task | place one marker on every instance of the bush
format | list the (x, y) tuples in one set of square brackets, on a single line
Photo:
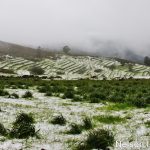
[(3, 93), (3, 131), (68, 94), (96, 97), (27, 94), (23, 131), (147, 124), (23, 127), (58, 120), (35, 70), (75, 129), (138, 102), (14, 95), (48, 93), (23, 117), (97, 139), (43, 89), (87, 123)]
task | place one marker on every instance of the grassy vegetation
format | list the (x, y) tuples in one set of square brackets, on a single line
[(109, 119), (14, 95), (133, 93), (87, 123), (3, 130), (118, 106), (75, 129), (97, 139), (35, 70), (60, 120), (27, 94), (78, 128), (23, 127), (147, 124)]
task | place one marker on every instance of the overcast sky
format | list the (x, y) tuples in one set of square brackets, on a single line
[(76, 22)]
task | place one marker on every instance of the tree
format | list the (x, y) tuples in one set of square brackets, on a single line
[(130, 67), (35, 70), (66, 49), (39, 52), (147, 61)]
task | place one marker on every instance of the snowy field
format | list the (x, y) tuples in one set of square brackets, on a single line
[(54, 137)]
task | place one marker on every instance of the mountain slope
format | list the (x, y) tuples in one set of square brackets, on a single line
[(78, 67), (20, 51)]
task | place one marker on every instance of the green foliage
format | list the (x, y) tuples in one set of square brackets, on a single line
[(48, 93), (131, 92), (27, 94), (119, 106), (59, 119), (87, 123), (3, 93), (147, 124), (66, 49), (8, 71), (69, 94), (75, 129), (3, 131), (23, 127), (109, 119), (147, 61), (23, 117), (97, 139), (15, 95), (36, 70)]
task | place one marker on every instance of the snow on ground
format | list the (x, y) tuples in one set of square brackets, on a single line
[(77, 67), (53, 137)]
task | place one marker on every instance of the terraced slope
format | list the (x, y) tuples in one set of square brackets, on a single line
[(77, 67)]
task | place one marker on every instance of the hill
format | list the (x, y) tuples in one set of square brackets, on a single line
[(20, 51), (69, 67)]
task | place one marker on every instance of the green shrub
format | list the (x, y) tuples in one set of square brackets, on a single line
[(23, 117), (77, 98), (59, 120), (147, 124), (109, 119), (68, 94), (97, 139), (36, 70), (48, 93), (15, 95), (3, 131), (3, 93), (75, 129), (138, 102), (23, 127), (27, 94), (43, 89), (87, 123)]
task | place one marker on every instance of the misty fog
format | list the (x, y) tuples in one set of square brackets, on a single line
[(90, 25)]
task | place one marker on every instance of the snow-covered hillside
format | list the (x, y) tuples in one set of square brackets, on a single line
[(77, 67)]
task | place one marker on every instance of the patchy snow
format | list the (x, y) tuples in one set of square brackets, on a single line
[(53, 137), (23, 72), (78, 67), (16, 101)]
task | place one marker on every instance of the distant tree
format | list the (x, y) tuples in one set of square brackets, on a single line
[(147, 61), (35, 70), (39, 53), (112, 67), (66, 49), (130, 67)]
